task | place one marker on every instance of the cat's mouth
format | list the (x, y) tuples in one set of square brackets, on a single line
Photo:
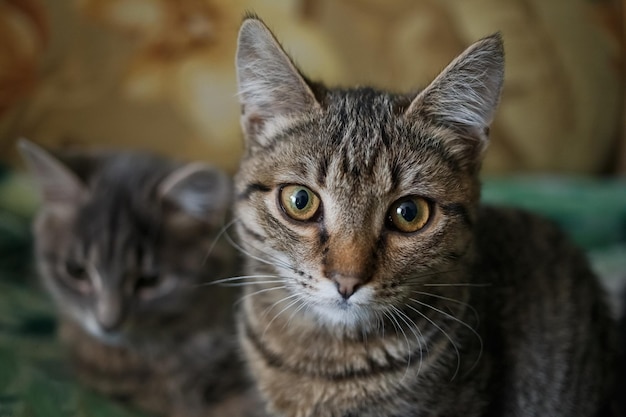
[(333, 308)]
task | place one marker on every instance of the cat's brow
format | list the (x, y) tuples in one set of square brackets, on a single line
[(252, 188)]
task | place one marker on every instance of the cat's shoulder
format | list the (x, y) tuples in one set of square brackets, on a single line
[(520, 237), (512, 222)]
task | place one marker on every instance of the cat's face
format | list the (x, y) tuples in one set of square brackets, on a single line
[(122, 255), (355, 198)]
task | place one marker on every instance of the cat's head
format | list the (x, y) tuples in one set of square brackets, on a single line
[(123, 239), (354, 196)]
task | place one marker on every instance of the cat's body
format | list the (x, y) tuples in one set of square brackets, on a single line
[(379, 287), (125, 243)]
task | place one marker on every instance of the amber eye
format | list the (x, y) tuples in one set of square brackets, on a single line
[(299, 202), (409, 214)]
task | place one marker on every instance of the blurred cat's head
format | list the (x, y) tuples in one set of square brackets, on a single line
[(123, 239)]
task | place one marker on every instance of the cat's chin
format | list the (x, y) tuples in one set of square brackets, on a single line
[(332, 310), (343, 315)]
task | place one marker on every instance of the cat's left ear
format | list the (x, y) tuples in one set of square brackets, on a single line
[(59, 185), (271, 89), (465, 95), (198, 190)]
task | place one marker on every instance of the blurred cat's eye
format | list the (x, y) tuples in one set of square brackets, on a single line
[(298, 202), (147, 280), (409, 214), (75, 270)]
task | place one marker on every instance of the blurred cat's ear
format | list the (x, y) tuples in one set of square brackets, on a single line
[(270, 86), (198, 190), (57, 183), (465, 95)]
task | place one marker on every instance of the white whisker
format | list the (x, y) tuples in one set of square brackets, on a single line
[(406, 339), (281, 312), (239, 278), (249, 254), (270, 308), (291, 316), (264, 290), (458, 354), (441, 297), (480, 339), (402, 316), (470, 284), (217, 238)]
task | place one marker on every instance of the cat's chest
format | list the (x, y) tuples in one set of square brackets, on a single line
[(336, 379)]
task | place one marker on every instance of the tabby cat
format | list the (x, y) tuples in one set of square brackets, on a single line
[(124, 242), (378, 285)]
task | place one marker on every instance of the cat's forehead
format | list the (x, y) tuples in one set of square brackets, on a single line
[(359, 141)]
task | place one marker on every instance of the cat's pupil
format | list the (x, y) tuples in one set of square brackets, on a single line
[(147, 280), (407, 210), (300, 199), (75, 270)]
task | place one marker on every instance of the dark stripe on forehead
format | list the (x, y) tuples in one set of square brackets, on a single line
[(253, 188), (438, 148), (396, 175), (322, 170)]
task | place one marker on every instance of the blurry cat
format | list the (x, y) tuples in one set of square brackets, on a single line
[(123, 243), (383, 288)]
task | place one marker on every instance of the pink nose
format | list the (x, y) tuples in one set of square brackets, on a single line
[(346, 285)]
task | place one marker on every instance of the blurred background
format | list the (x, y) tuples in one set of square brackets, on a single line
[(159, 75)]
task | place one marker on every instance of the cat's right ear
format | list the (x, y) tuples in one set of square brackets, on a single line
[(58, 185), (464, 97), (198, 191), (271, 89)]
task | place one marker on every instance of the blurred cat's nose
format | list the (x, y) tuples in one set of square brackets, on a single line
[(347, 285), (109, 315)]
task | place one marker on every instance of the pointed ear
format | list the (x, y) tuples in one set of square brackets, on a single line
[(199, 191), (466, 93), (270, 86), (57, 183)]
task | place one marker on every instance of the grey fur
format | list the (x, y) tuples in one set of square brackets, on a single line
[(125, 243)]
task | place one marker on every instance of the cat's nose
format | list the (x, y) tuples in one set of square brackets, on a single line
[(109, 314), (346, 284)]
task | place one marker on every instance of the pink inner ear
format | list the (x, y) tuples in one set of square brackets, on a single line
[(270, 85), (466, 93)]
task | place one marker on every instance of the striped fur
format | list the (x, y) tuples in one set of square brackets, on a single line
[(138, 322), (482, 312)]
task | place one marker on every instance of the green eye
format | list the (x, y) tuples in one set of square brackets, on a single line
[(409, 214), (299, 202)]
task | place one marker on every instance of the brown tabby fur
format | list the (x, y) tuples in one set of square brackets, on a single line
[(125, 243), (483, 312)]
